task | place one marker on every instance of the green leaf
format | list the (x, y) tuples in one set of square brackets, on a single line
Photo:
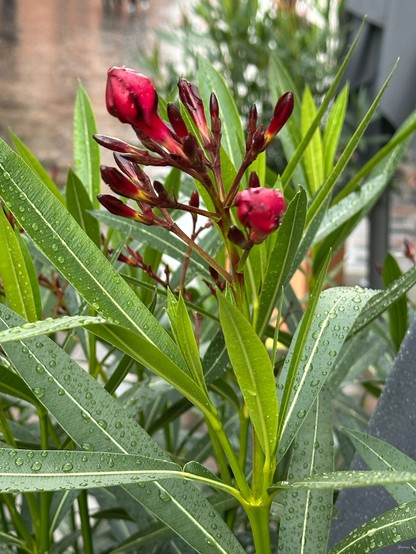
[(65, 244), (380, 302), (86, 150), (322, 196), (36, 166), (314, 350), (398, 313), (347, 480), (358, 202), (209, 80), (13, 272), (313, 157), (185, 338), (333, 129), (306, 517), (254, 373), (389, 528), (281, 259), (380, 455), (79, 205), (32, 471), (96, 421), (46, 326), (149, 355)]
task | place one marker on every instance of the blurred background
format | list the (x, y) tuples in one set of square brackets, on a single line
[(46, 46)]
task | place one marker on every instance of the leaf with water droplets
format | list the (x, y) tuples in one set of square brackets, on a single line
[(306, 515), (380, 455), (75, 255), (390, 528), (47, 326), (314, 350), (80, 405)]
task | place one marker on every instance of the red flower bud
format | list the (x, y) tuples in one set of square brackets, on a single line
[(192, 101), (118, 182), (117, 207), (260, 209), (131, 97), (177, 122), (254, 180), (282, 111)]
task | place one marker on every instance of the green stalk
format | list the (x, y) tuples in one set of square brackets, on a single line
[(85, 523), (258, 516), (240, 478), (219, 455)]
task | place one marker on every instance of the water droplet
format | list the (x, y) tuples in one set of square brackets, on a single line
[(67, 467), (315, 382), (301, 414), (333, 353), (19, 461), (95, 305), (165, 496), (52, 363), (102, 423), (39, 391), (36, 466), (61, 259), (87, 446), (55, 247), (35, 226), (40, 368)]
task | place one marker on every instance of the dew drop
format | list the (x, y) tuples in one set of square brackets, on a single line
[(102, 423), (36, 466), (52, 363), (55, 247), (301, 414), (315, 382), (164, 496), (67, 467), (19, 461), (61, 259)]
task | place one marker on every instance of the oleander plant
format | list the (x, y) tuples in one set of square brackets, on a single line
[(164, 385)]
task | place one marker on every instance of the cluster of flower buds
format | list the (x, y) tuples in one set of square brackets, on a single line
[(131, 97)]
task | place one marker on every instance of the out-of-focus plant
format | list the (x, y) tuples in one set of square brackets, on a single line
[(179, 353)]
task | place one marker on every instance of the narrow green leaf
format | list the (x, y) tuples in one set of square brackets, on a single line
[(61, 240), (33, 471), (314, 350), (209, 80), (281, 259), (149, 355), (380, 302), (306, 517), (348, 480), (300, 148), (86, 150), (325, 191), (31, 273), (398, 312), (358, 202), (254, 373), (36, 166), (390, 528), (380, 455), (333, 129), (313, 155), (79, 205), (96, 421), (46, 326), (185, 338), (13, 272)]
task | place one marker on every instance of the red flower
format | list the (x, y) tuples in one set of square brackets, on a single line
[(132, 98), (261, 210), (192, 101)]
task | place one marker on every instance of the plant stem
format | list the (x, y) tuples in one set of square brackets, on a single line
[(219, 455), (258, 516), (85, 523)]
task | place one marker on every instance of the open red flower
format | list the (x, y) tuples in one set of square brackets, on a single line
[(260, 210)]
